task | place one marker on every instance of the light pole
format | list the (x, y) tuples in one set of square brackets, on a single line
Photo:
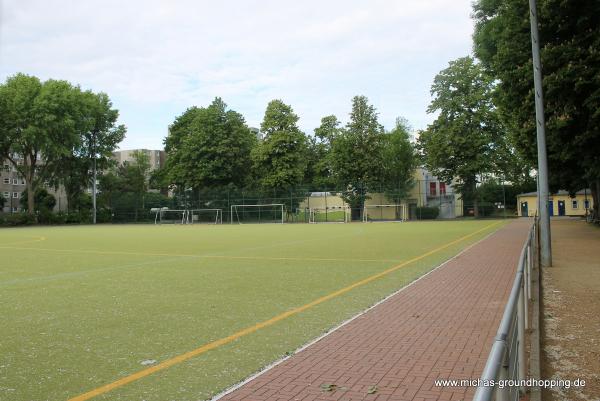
[(545, 238)]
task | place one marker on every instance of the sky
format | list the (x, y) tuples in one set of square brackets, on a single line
[(157, 58)]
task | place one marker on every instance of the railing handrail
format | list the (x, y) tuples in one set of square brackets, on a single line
[(498, 354)]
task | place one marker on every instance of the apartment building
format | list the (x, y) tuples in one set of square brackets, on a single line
[(157, 157), (12, 185)]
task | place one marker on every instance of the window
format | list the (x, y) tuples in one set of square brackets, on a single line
[(574, 204), (6, 195), (432, 189), (442, 188), (15, 195), (7, 180), (6, 167), (15, 181), (15, 210), (586, 204)]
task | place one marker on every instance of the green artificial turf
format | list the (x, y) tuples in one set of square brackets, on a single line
[(84, 306)]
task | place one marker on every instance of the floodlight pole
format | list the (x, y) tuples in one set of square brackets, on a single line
[(94, 176), (545, 238)]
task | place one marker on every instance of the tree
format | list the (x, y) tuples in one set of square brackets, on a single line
[(399, 161), (356, 154), (99, 136), (134, 177), (320, 173), (44, 201), (209, 147), (37, 127), (569, 42), (462, 142), (2, 202), (280, 160)]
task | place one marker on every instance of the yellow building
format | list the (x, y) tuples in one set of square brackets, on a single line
[(559, 204)]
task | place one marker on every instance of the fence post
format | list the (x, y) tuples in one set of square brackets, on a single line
[(502, 394), (521, 316)]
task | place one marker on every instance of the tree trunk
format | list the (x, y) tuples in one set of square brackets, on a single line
[(29, 184), (595, 199)]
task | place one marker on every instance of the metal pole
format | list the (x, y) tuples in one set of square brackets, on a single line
[(521, 314), (546, 250), (94, 182)]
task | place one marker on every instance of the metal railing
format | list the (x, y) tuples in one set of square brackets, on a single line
[(507, 361)]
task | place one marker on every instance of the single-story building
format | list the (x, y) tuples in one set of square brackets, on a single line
[(559, 204)]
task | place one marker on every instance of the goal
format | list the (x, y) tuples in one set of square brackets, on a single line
[(261, 213), (204, 216), (169, 216), (373, 213), (334, 214)]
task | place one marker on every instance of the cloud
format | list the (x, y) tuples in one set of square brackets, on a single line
[(156, 58)]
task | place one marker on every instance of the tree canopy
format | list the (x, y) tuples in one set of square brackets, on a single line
[(280, 159), (569, 43), (466, 138), (209, 147)]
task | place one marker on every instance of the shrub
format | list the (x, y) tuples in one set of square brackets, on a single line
[(427, 213), (19, 219)]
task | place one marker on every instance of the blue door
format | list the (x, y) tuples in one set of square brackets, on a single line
[(524, 211), (561, 208), (551, 208)]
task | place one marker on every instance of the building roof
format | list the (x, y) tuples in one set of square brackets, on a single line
[(560, 192)]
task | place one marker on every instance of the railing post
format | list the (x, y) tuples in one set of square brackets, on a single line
[(521, 318), (503, 394)]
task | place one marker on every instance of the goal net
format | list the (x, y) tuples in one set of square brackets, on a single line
[(262, 213), (334, 214), (170, 216), (384, 213), (205, 216)]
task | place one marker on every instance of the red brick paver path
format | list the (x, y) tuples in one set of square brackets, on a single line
[(440, 327)]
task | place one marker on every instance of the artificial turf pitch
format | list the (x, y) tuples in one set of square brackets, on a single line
[(83, 307)]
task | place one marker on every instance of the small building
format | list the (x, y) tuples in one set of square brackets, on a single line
[(559, 204)]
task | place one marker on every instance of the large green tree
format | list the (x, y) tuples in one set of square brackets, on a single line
[(38, 127), (463, 141), (400, 161), (357, 154), (209, 147), (320, 172), (280, 159), (569, 42), (99, 136)]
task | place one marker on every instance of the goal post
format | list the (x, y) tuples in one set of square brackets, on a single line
[(259, 213), (333, 214), (165, 215), (205, 216), (391, 212)]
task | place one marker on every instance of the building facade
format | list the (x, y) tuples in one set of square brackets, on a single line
[(12, 185), (559, 204), (157, 158)]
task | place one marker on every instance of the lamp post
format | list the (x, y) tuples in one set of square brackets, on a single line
[(545, 241)]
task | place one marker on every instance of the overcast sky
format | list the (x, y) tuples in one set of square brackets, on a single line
[(157, 58)]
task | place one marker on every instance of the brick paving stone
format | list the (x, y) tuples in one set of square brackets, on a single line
[(440, 327)]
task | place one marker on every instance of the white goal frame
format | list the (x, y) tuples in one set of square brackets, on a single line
[(402, 207), (158, 218), (312, 212), (234, 208), (218, 215)]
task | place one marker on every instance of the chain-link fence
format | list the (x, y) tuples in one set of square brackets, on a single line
[(425, 200)]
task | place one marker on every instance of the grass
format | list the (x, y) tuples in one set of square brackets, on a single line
[(85, 306)]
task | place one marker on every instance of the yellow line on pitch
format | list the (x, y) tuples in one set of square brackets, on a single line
[(215, 344), (38, 239), (98, 252)]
